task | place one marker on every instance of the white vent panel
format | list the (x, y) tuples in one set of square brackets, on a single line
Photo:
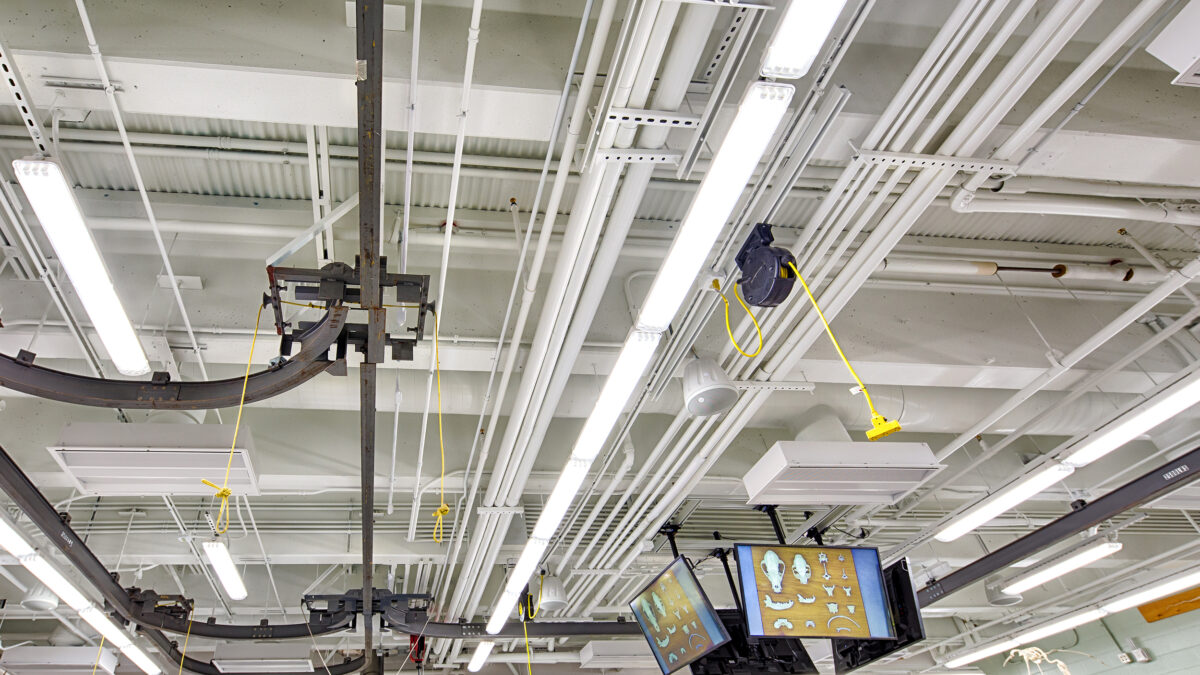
[(154, 459), (838, 472), (58, 661)]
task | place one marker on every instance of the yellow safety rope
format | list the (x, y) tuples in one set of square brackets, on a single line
[(443, 509), (99, 653), (223, 492), (717, 287), (880, 423), (183, 654)]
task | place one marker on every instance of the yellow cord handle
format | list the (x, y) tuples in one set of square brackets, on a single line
[(443, 510), (728, 329), (880, 426), (222, 491), (521, 611)]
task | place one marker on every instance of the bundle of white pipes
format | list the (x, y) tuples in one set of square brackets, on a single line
[(843, 215)]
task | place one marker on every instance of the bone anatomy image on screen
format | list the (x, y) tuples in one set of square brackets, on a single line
[(793, 591), (677, 618)]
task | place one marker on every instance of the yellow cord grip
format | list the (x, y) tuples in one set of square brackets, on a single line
[(729, 330), (222, 491), (880, 425), (443, 510), (527, 616)]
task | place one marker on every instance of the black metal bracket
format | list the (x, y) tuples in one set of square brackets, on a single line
[(669, 530), (772, 512)]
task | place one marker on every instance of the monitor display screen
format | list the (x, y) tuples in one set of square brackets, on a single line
[(677, 618), (813, 592)]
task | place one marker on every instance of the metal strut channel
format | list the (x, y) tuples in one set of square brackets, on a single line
[(21, 374), (989, 166), (1166, 478)]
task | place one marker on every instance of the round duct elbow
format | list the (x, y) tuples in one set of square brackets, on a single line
[(707, 389)]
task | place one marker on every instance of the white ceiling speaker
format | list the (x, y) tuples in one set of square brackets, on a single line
[(553, 594), (39, 599), (996, 597), (706, 388)]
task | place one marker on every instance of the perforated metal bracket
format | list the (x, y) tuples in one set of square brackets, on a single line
[(748, 385), (654, 118), (639, 156), (16, 86), (939, 162)]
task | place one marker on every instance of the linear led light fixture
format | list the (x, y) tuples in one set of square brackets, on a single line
[(802, 31), (57, 210), (1081, 557), (482, 652), (757, 117), (12, 541), (1163, 588), (222, 563), (1166, 404), (626, 373), (1016, 492)]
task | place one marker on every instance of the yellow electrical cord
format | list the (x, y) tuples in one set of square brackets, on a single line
[(717, 287), (223, 492), (529, 616), (443, 509), (880, 425), (183, 654), (528, 649), (99, 653)]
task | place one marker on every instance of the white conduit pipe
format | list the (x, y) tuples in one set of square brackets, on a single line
[(579, 242), (906, 208), (412, 135), (110, 92), (731, 420), (690, 40), (452, 199), (1175, 280), (1017, 141), (1096, 207), (486, 529)]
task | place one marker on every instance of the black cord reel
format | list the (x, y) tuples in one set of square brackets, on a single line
[(766, 278)]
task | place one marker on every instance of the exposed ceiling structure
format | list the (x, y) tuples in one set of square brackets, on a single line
[(995, 203)]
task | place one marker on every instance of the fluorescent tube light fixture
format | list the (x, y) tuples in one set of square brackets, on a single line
[(1168, 403), (627, 372), (222, 564), (1073, 621), (58, 211), (1156, 591), (982, 653), (480, 657), (141, 659), (802, 32), (113, 634), (757, 118), (13, 541), (1007, 498), (1065, 565)]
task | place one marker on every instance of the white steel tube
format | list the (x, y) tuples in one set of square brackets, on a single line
[(452, 200), (110, 92), (1094, 207)]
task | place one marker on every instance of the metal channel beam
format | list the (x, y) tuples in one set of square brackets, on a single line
[(19, 373), (369, 82), (1156, 483)]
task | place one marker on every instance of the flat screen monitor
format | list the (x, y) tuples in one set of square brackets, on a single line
[(814, 592), (677, 619), (849, 655)]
